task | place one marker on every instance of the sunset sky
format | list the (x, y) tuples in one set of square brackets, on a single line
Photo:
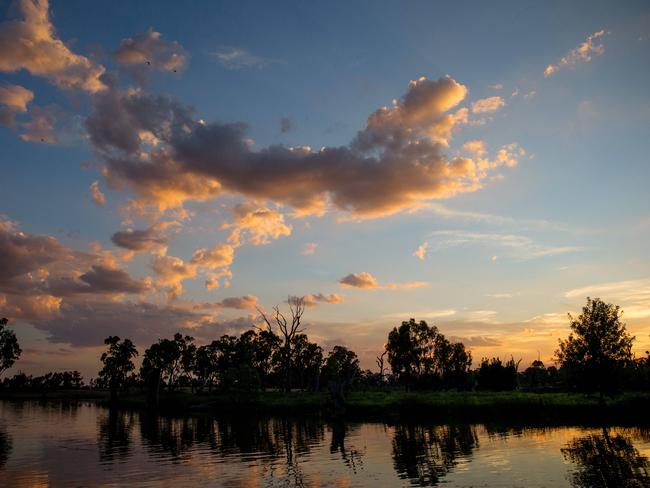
[(176, 165)]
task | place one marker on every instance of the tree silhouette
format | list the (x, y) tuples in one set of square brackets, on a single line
[(340, 370), (9, 348), (118, 363), (288, 330), (597, 350)]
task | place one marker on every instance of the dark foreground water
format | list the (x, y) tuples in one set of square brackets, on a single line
[(83, 444)]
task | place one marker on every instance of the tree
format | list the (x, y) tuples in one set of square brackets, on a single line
[(340, 371), (167, 359), (496, 376), (118, 363), (307, 363), (419, 353), (9, 348), (597, 350), (288, 330)]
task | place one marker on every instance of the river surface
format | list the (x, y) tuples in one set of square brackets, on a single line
[(84, 444)]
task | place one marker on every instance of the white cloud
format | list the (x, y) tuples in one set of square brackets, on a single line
[(593, 46)]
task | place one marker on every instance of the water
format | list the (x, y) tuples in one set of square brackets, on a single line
[(83, 444)]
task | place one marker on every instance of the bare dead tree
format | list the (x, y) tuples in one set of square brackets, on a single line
[(380, 364), (288, 331)]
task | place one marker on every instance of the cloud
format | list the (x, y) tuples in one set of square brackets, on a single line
[(365, 280), (145, 52), (359, 280), (96, 194), (41, 127), (38, 274), (88, 322), (151, 239), (29, 42), (256, 225), (632, 295), (520, 247), (285, 125), (98, 280), (421, 251), (235, 58), (313, 300), (215, 257), (246, 302), (309, 249), (423, 314), (156, 147), (487, 105), (477, 341), (497, 86), (593, 46), (13, 100)]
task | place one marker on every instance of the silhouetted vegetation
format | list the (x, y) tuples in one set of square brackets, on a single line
[(9, 349), (263, 366), (598, 351)]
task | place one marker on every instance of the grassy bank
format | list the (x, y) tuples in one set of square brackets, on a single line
[(630, 407)]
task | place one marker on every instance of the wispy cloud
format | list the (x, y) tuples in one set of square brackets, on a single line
[(593, 46), (239, 58), (421, 251), (632, 295), (517, 246)]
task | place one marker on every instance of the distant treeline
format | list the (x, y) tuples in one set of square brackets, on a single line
[(596, 357)]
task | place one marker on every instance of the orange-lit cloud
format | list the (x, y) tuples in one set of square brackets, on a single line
[(421, 251), (395, 162), (487, 105), (367, 281), (593, 46), (13, 99), (313, 300), (256, 225), (96, 194), (309, 249), (29, 42), (142, 53)]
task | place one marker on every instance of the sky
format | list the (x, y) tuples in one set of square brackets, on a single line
[(178, 166)]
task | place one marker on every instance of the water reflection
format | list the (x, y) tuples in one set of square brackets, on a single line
[(5, 447), (606, 460), (425, 454), (87, 445), (114, 431)]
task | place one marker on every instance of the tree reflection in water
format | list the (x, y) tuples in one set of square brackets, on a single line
[(114, 430), (606, 461), (425, 454), (350, 456), (5, 447)]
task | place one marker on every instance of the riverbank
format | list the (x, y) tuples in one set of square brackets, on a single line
[(629, 407)]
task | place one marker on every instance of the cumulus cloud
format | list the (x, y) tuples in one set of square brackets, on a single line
[(13, 100), (367, 281), (421, 251), (590, 48), (152, 239), (313, 300), (96, 194), (41, 127), (477, 341), (29, 42), (38, 274), (487, 105), (157, 148), (235, 58), (171, 271), (309, 249), (256, 225), (87, 322), (142, 53)]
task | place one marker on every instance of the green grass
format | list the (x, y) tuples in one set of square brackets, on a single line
[(631, 406)]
